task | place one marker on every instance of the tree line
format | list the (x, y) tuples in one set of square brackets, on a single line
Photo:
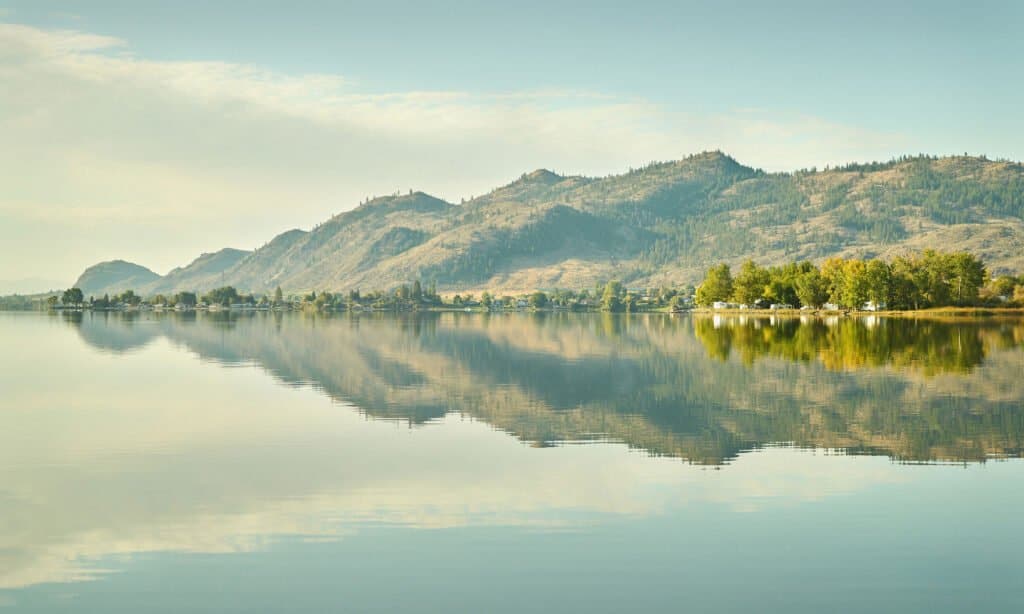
[(929, 279)]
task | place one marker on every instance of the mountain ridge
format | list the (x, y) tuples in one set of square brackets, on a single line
[(660, 224)]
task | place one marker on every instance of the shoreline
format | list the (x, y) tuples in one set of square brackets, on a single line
[(960, 313)]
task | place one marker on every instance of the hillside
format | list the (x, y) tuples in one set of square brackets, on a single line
[(661, 224), (206, 271), (114, 276)]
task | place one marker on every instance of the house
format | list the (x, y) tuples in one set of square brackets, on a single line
[(872, 306)]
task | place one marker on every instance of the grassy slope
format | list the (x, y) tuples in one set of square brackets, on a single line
[(661, 224)]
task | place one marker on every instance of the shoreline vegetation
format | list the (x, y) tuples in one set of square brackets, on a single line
[(931, 283)]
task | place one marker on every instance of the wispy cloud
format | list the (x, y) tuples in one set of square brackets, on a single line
[(226, 153)]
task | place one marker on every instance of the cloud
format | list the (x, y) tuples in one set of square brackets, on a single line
[(216, 153)]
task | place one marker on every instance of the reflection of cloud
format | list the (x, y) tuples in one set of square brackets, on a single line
[(186, 457), (160, 451), (337, 473)]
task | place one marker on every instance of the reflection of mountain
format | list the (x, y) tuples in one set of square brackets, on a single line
[(908, 389)]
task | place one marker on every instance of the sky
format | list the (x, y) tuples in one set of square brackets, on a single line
[(156, 131)]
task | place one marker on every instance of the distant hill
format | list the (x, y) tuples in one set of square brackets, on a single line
[(206, 271), (114, 276), (664, 223)]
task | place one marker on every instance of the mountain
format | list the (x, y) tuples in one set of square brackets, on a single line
[(206, 271), (114, 276), (664, 223)]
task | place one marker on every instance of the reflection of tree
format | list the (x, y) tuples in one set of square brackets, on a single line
[(849, 343), (645, 381)]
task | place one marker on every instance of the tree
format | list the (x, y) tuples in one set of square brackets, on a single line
[(934, 278), (128, 297), (611, 298), (278, 296), (225, 296), (417, 289), (967, 277), (750, 283), (1003, 286), (833, 273), (538, 300), (72, 296), (811, 289), (486, 299), (854, 291), (905, 284), (717, 286), (187, 299), (878, 279)]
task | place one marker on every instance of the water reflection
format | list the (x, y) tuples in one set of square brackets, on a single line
[(125, 448), (847, 343), (913, 390)]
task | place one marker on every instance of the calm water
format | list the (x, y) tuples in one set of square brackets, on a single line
[(509, 463)]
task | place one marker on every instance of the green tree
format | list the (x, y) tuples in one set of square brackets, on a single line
[(854, 291), (1004, 285), (278, 296), (225, 296), (833, 273), (811, 289), (187, 299), (934, 275), (967, 276), (906, 284), (611, 298), (128, 297), (878, 279), (72, 296), (717, 286), (750, 283), (538, 300)]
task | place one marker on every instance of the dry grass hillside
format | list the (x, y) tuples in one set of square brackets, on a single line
[(663, 224)]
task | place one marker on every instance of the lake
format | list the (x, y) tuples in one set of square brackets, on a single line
[(509, 462)]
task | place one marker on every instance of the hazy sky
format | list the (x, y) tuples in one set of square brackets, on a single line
[(154, 131)]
